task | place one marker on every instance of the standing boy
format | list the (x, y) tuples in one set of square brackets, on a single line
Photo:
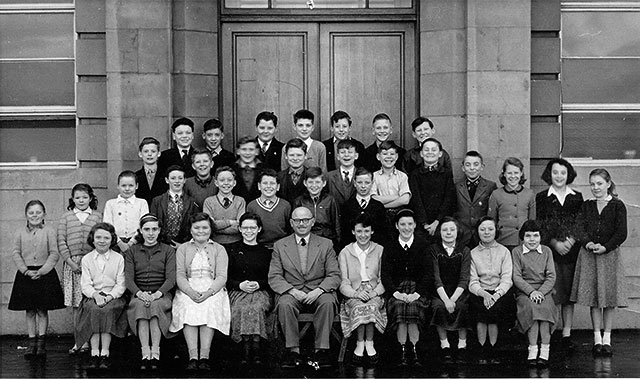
[(273, 211), (422, 129), (341, 130), (340, 181), (322, 205), (174, 208), (247, 169), (390, 185), (201, 185), (303, 126), (124, 211), (225, 208), (270, 147), (291, 179), (150, 182), (382, 129), (473, 194), (361, 203), (182, 134), (213, 134), (432, 187)]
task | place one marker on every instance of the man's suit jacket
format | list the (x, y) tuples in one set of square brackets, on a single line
[(332, 154), (285, 271), (338, 188), (160, 208), (172, 157), (469, 211), (271, 158), (158, 187)]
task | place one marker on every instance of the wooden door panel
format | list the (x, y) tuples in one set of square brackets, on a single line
[(268, 67), (368, 69)]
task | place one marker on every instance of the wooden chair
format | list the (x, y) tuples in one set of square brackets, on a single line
[(306, 319)]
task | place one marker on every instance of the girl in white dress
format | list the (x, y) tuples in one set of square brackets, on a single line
[(201, 303)]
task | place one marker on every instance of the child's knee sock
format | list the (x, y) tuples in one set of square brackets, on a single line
[(146, 352), (606, 338), (462, 343), (544, 351), (104, 352), (368, 346), (155, 352), (204, 353), (533, 352), (444, 343), (597, 338)]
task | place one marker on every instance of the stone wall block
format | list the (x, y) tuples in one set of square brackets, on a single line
[(138, 14), (91, 151), (443, 51), (122, 50), (512, 57), (486, 42), (199, 15), (146, 94), (502, 137), (153, 50), (157, 127), (90, 57), (500, 92), (499, 13), (196, 95), (443, 14), (90, 16), (443, 94), (202, 53), (91, 99)]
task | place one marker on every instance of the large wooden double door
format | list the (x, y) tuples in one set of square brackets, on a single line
[(361, 68)]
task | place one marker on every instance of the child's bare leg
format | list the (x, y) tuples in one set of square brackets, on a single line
[(481, 329), (43, 322), (31, 323), (493, 333), (532, 333), (359, 350), (154, 330), (462, 338), (545, 332), (105, 338), (414, 333), (360, 332), (401, 333), (95, 344), (567, 319), (368, 339), (206, 336), (143, 336), (191, 336), (442, 334)]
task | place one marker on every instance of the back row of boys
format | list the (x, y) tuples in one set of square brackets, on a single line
[(337, 179)]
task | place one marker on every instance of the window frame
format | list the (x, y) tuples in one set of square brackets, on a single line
[(43, 111), (598, 108)]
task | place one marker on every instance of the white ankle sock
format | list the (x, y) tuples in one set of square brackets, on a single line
[(533, 352), (359, 351), (606, 338), (462, 344), (146, 352), (155, 352), (95, 352), (104, 352), (444, 343), (566, 332), (544, 351), (368, 346), (597, 338)]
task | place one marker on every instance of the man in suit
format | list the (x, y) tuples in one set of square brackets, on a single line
[(341, 129), (182, 134), (304, 272), (472, 195), (270, 148)]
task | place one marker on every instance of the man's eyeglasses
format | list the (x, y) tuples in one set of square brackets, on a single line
[(301, 220)]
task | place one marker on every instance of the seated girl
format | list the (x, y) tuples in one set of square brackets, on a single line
[(103, 284), (362, 308), (489, 281), (534, 275), (248, 288), (407, 276), (150, 275), (201, 303), (451, 262)]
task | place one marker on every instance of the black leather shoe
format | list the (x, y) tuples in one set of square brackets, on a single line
[(322, 358), (543, 362), (374, 359), (105, 363), (203, 365), (93, 363), (597, 349), (291, 360), (607, 350), (154, 364), (144, 364), (447, 358), (462, 355), (192, 365)]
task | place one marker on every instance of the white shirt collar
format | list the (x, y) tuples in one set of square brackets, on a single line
[(121, 199), (402, 243), (350, 170), (298, 238), (560, 197), (448, 249), (308, 142), (105, 255), (173, 194), (360, 198), (87, 211), (526, 249), (359, 251)]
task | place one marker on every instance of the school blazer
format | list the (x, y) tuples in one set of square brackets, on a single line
[(469, 211), (337, 187), (285, 270), (271, 158), (160, 208), (171, 157), (158, 187), (350, 269), (331, 153)]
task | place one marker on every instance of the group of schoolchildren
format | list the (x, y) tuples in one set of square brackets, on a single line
[(416, 249)]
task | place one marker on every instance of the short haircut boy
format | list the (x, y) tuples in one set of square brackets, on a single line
[(381, 116), (475, 154), (339, 115), (213, 123), (182, 121), (223, 169), (419, 121), (173, 168), (127, 174), (363, 171), (346, 144), (388, 145), (149, 141), (431, 139), (270, 173), (200, 152), (267, 116), (314, 172), (295, 143), (303, 113), (246, 139)]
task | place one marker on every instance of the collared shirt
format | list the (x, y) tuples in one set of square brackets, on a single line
[(406, 243), (448, 249), (103, 273), (351, 171), (264, 146), (175, 196), (308, 142), (362, 257), (242, 164), (366, 200), (491, 269), (82, 215), (559, 196), (215, 152), (526, 250), (507, 189), (102, 260), (396, 183), (303, 251), (124, 214), (432, 167)]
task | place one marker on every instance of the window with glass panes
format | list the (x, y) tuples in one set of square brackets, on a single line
[(320, 4), (37, 82), (601, 79)]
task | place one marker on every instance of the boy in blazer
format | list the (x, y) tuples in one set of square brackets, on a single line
[(341, 130), (304, 271), (472, 194), (151, 183), (182, 134), (340, 181), (270, 148)]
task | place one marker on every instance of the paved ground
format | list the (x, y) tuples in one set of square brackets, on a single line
[(624, 363)]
